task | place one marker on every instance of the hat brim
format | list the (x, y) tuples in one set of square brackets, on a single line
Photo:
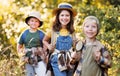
[(57, 9), (27, 19)]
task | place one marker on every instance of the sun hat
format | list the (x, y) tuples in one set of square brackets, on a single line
[(92, 18), (35, 14), (67, 6)]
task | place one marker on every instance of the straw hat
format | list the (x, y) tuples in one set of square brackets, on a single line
[(36, 15), (62, 6)]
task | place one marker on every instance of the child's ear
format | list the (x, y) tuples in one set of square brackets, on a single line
[(28, 22)]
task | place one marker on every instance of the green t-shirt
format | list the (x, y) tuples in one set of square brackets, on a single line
[(31, 39)]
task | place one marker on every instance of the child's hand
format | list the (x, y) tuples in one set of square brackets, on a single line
[(75, 57), (51, 48), (26, 59), (97, 55), (21, 52), (106, 54)]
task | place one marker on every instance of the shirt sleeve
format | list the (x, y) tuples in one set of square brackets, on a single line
[(21, 40), (42, 34), (22, 37)]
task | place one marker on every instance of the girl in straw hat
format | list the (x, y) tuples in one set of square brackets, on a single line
[(62, 40), (31, 39)]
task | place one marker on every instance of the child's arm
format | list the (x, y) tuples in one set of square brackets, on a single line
[(19, 48), (46, 40), (105, 60)]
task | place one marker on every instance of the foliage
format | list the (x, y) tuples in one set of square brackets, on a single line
[(13, 13)]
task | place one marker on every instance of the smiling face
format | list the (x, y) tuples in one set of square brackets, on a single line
[(90, 29), (64, 18), (34, 23)]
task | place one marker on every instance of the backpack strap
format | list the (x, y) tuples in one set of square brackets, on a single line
[(75, 40), (54, 36)]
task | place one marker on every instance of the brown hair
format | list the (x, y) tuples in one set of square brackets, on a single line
[(57, 26)]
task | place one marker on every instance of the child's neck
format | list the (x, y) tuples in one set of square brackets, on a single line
[(90, 41), (33, 30)]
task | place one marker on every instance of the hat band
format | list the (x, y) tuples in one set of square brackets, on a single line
[(65, 6)]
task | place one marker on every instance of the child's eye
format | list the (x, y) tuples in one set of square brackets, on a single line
[(36, 21), (94, 26), (62, 15), (32, 20), (67, 15), (86, 26)]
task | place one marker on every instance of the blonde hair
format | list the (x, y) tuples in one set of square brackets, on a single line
[(92, 18)]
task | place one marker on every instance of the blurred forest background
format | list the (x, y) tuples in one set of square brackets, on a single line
[(14, 12)]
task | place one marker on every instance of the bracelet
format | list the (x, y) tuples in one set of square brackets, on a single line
[(102, 60), (78, 71)]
